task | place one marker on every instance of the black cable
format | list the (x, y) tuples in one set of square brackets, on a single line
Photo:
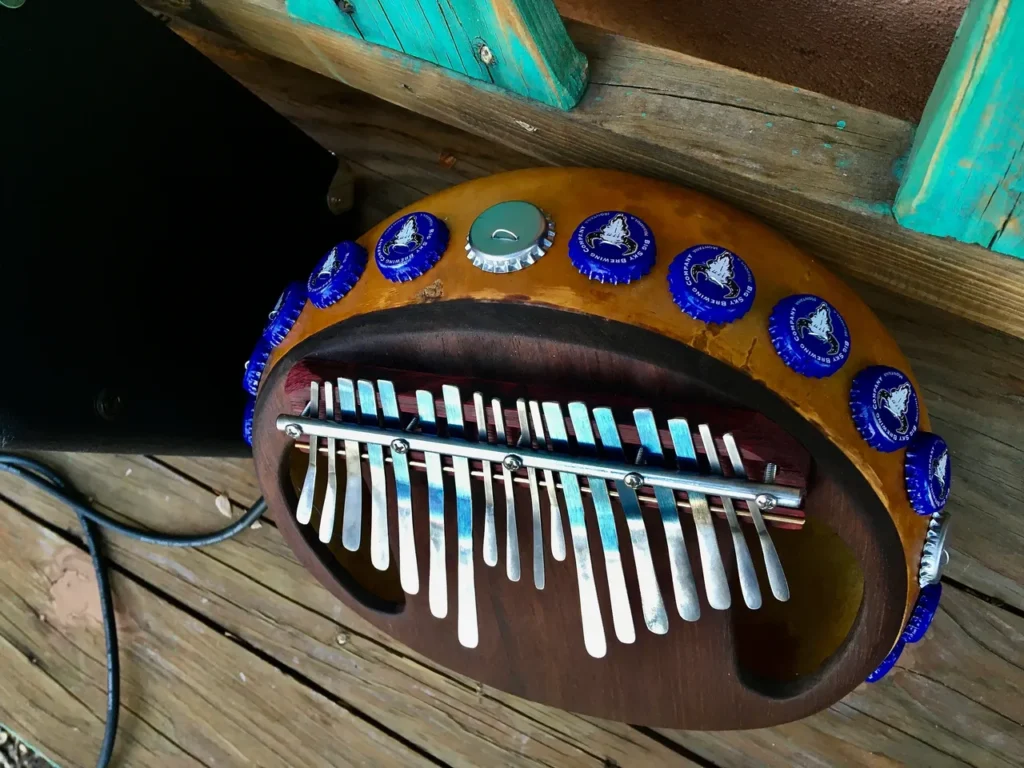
[(93, 521)]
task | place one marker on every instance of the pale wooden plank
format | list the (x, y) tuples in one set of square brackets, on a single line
[(36, 704), (217, 702), (828, 182), (955, 698), (961, 682), (254, 588)]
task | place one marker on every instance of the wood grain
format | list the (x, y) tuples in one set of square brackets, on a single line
[(255, 589), (926, 713), (519, 45), (965, 175), (820, 171), (180, 678)]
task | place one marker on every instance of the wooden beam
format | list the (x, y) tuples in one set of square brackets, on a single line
[(519, 45), (820, 171), (965, 177)]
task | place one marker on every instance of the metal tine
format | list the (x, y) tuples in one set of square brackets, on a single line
[(438, 579), (526, 441), (380, 550), (408, 569), (490, 536), (716, 585), (622, 617), (512, 567), (304, 510), (683, 584), (469, 634), (556, 534), (772, 564), (651, 601), (590, 608), (352, 517), (327, 511), (744, 563)]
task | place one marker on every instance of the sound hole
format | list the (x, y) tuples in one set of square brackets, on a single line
[(382, 589), (782, 642)]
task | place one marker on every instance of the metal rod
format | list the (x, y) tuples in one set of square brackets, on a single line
[(683, 504), (684, 587), (743, 490), (327, 511), (469, 632), (304, 510), (438, 578), (490, 536), (525, 439), (352, 516), (744, 563), (408, 567), (512, 566)]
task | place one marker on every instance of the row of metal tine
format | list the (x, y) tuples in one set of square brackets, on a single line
[(357, 403)]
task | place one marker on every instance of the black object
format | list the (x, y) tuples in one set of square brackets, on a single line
[(152, 210)]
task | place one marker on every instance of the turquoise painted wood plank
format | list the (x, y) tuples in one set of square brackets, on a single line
[(965, 175), (371, 19), (324, 14), (519, 45)]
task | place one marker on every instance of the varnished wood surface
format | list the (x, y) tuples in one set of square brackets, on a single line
[(700, 674), (678, 219), (953, 700), (820, 171)]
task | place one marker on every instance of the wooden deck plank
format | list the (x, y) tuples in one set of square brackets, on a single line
[(955, 700), (255, 589), (216, 701), (971, 376), (825, 177)]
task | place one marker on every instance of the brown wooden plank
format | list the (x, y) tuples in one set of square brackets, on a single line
[(254, 588), (944, 704), (965, 679), (190, 695), (821, 171), (36, 701), (971, 376)]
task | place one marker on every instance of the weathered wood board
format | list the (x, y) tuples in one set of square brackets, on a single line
[(955, 699), (965, 175), (822, 172), (190, 695)]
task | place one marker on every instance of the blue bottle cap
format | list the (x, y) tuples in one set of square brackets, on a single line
[(247, 418), (810, 335), (888, 662), (927, 473), (254, 366), (711, 283), (284, 314), (336, 274), (612, 247), (411, 246), (923, 613), (884, 407)]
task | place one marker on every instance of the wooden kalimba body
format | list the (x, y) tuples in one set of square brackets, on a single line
[(575, 490)]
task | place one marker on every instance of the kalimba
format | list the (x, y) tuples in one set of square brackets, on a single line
[(607, 444)]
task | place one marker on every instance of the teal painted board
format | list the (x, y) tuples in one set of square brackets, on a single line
[(965, 175), (324, 14), (519, 45)]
